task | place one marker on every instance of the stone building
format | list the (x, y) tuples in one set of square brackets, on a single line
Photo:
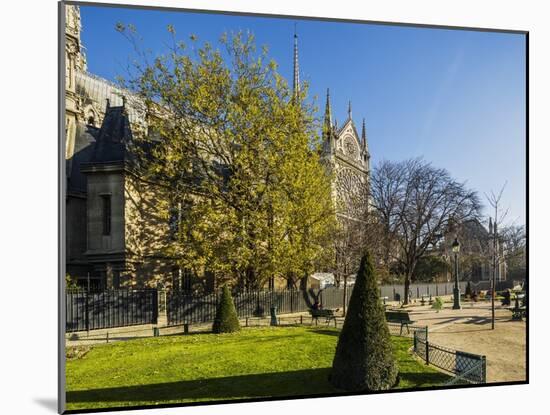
[(114, 235), (477, 247)]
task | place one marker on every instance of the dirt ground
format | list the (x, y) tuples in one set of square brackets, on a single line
[(469, 330)]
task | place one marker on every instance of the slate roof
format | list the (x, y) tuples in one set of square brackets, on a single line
[(114, 135), (104, 145), (84, 148)]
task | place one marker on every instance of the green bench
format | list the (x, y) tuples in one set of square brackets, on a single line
[(327, 314), (518, 313), (401, 317)]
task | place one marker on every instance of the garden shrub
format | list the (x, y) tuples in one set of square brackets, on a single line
[(226, 320), (438, 304), (364, 358)]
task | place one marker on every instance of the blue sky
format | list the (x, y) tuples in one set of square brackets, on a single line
[(454, 97)]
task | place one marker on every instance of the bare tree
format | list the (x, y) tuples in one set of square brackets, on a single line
[(497, 220), (417, 203)]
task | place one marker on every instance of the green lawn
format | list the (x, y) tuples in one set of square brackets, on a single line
[(257, 362)]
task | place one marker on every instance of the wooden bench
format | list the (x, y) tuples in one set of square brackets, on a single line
[(518, 313), (401, 317), (327, 314)]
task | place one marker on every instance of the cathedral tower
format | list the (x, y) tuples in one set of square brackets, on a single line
[(348, 156), (74, 61)]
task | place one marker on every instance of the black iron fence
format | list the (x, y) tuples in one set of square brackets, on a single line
[(113, 308), (467, 367), (183, 308)]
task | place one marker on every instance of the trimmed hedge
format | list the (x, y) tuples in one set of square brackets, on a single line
[(364, 359), (226, 320)]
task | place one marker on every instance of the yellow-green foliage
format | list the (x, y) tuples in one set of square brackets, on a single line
[(240, 157), (438, 304)]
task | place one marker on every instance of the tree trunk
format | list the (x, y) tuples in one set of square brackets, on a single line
[(407, 287), (345, 294)]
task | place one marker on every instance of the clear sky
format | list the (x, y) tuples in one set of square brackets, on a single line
[(454, 97)]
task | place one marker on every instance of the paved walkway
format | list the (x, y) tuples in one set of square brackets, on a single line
[(469, 330)]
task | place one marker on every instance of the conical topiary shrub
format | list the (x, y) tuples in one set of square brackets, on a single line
[(226, 320), (364, 358)]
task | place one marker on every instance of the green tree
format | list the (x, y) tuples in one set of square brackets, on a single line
[(238, 153), (364, 358), (429, 267), (226, 320)]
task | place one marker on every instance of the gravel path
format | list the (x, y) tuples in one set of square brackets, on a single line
[(469, 330)]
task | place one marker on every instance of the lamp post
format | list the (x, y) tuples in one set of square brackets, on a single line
[(455, 246)]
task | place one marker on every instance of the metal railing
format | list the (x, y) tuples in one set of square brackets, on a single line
[(467, 367), (89, 310), (183, 308)]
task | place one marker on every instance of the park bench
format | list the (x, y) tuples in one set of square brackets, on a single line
[(401, 317), (518, 313), (327, 314)]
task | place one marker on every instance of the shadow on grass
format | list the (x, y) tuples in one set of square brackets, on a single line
[(279, 384), (311, 381), (418, 380)]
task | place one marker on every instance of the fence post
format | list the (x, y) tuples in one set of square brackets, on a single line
[(483, 369), (155, 306), (87, 315), (427, 348)]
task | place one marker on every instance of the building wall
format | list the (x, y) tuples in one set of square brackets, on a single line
[(147, 233), (100, 184)]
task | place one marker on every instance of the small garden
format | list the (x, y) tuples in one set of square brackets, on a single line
[(234, 363), (251, 363)]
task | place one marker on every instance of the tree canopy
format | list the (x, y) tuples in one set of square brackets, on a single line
[(238, 153)]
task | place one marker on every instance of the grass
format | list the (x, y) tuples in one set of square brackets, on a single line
[(253, 363)]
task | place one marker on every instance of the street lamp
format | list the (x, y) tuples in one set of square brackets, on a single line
[(455, 246)]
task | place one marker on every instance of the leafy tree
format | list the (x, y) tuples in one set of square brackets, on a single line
[(429, 268), (70, 282), (364, 358), (226, 320), (238, 153)]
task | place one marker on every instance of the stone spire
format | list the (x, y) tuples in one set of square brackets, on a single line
[(296, 81), (349, 110), (364, 136), (327, 124), (328, 112)]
